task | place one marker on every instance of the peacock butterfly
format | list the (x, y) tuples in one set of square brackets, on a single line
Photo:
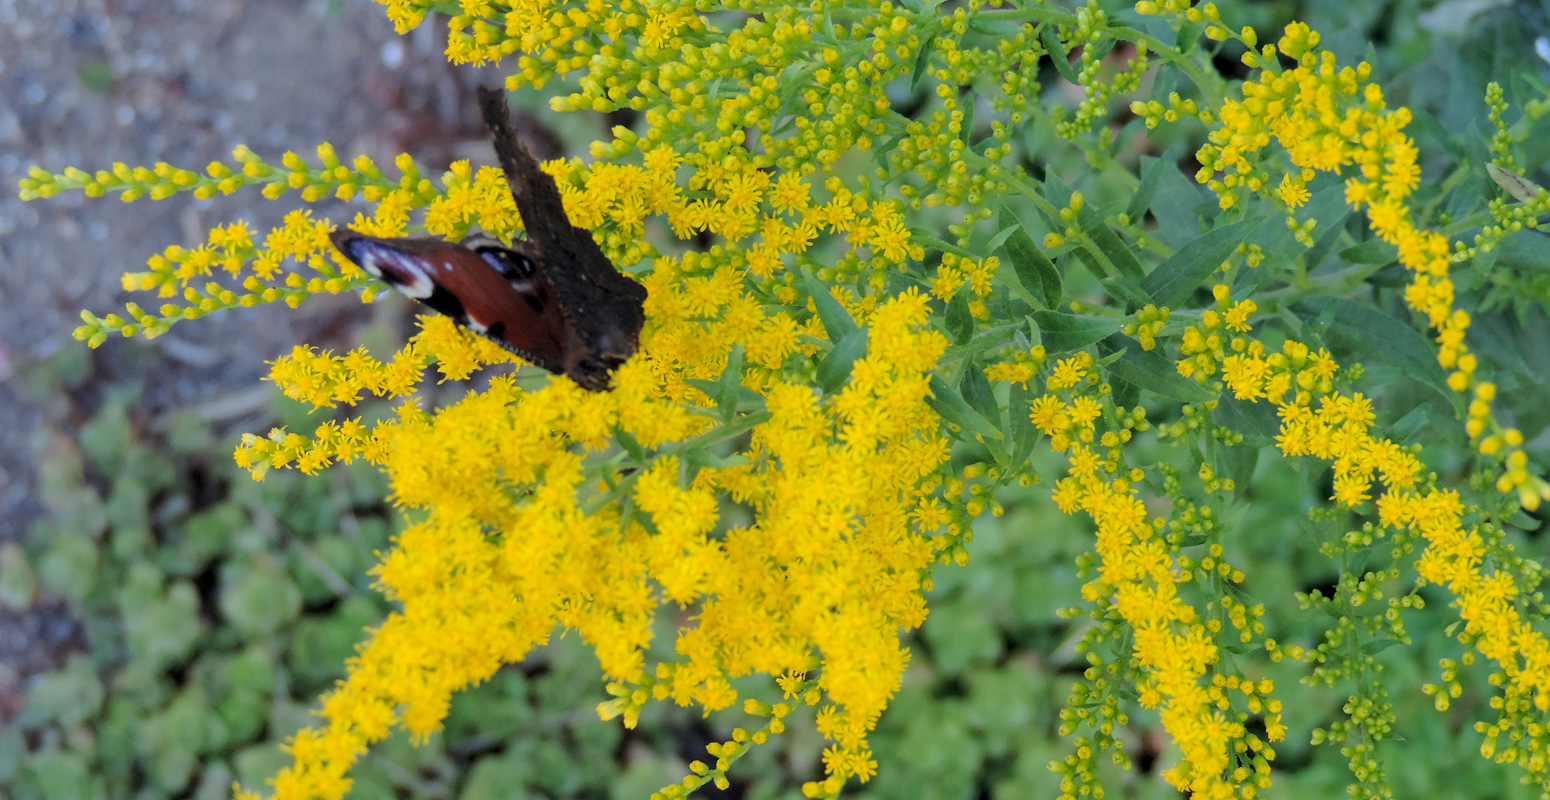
[(554, 299)]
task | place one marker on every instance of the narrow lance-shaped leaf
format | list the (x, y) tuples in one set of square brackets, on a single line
[(1378, 337), (836, 320), (1150, 371), (1062, 332), (1024, 434), (1187, 269), (731, 382), (960, 322), (953, 408), (1034, 271), (835, 368), (979, 394), (1521, 188)]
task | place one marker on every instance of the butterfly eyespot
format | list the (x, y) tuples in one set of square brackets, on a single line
[(507, 262)]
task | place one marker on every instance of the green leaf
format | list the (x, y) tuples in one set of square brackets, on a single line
[(1061, 332), (18, 582), (835, 368), (1002, 28), (1524, 521), (629, 444), (883, 148), (1328, 207), (1256, 422), (107, 438), (68, 567), (954, 409), (837, 322), (1190, 33), (1036, 274), (1151, 177), (497, 708), (978, 392), (58, 775), (163, 632), (1120, 287), (214, 782), (960, 322), (922, 61), (1118, 252), (258, 763), (726, 395), (699, 459), (1024, 434), (1057, 53), (1177, 206), (1007, 700), (202, 537), (69, 697), (190, 434), (1172, 282), (1378, 645), (127, 507), (1151, 372), (960, 634), (499, 776), (1372, 251), (170, 742), (1527, 253), (1412, 424), (1377, 337), (321, 644), (258, 597), (1006, 231), (1237, 463)]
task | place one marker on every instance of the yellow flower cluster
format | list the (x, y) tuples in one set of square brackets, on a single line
[(1137, 574), (521, 536), (1317, 421), (1174, 650), (177, 271), (1025, 364), (325, 380), (1328, 119), (1138, 571)]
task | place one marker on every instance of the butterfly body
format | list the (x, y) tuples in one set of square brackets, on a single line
[(553, 299)]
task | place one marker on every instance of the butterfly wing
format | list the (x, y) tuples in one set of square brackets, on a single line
[(605, 310), (493, 290)]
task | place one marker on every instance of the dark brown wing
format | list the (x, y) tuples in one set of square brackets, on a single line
[(605, 309), (493, 290)]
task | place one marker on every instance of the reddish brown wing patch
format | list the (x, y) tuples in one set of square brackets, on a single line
[(486, 290)]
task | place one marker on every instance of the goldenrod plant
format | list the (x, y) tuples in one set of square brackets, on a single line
[(890, 279)]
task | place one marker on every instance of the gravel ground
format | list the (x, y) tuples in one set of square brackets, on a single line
[(89, 82)]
